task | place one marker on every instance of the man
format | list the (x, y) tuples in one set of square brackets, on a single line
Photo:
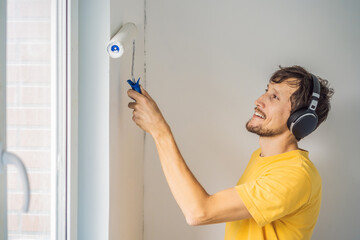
[(279, 194)]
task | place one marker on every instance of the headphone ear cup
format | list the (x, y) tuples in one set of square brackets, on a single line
[(295, 115), (302, 122)]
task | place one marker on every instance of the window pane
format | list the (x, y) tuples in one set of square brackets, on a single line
[(29, 111)]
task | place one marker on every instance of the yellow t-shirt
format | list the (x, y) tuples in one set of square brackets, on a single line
[(282, 194)]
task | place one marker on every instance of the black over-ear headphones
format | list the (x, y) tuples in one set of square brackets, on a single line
[(304, 121)]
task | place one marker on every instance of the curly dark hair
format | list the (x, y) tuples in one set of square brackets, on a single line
[(302, 79)]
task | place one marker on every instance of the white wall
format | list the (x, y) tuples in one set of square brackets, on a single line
[(110, 178), (93, 161), (126, 138), (207, 62)]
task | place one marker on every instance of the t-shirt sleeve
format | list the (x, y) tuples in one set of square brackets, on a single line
[(275, 194)]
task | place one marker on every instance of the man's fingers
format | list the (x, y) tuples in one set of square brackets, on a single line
[(134, 94), (131, 105), (145, 93)]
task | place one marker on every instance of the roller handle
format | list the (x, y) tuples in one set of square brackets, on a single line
[(135, 86)]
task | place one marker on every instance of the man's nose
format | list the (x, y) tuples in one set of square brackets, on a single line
[(260, 102)]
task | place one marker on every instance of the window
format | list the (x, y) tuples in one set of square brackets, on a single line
[(37, 117)]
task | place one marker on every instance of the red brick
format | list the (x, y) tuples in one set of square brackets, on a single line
[(28, 117), (34, 95), (28, 30), (28, 52), (11, 138), (35, 159), (11, 95), (13, 222), (31, 73), (34, 138), (13, 181), (28, 9), (40, 181), (33, 223), (38, 202), (15, 201)]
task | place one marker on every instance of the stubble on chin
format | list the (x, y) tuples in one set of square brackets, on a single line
[(262, 132)]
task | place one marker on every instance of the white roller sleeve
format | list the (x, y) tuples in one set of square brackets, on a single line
[(122, 40)]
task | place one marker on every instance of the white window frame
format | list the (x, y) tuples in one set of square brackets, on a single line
[(58, 110), (64, 117), (66, 35), (3, 212), (72, 119)]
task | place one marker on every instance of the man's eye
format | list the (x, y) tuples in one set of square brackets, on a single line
[(266, 89), (276, 97)]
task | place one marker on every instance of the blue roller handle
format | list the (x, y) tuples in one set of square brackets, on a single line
[(135, 86)]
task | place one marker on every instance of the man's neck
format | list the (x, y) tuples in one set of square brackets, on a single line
[(276, 145)]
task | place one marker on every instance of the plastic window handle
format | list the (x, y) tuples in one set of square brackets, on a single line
[(10, 158)]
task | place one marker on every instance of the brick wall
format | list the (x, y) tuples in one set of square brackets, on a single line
[(29, 114)]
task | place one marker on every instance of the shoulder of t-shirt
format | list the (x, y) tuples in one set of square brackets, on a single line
[(313, 175), (310, 168), (300, 162), (306, 169), (304, 163)]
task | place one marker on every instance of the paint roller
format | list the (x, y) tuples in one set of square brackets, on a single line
[(122, 42)]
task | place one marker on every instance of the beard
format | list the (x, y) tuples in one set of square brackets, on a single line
[(262, 132)]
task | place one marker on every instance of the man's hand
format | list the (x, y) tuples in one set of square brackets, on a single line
[(146, 113)]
